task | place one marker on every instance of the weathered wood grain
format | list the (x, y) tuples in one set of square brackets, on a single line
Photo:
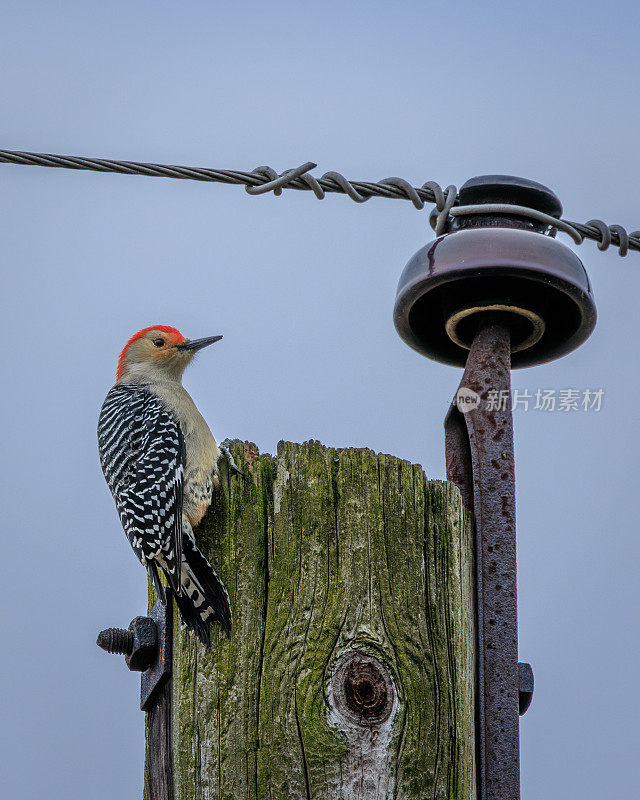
[(349, 672)]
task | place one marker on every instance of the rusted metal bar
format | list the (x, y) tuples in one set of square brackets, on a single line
[(147, 647), (156, 699), (480, 460)]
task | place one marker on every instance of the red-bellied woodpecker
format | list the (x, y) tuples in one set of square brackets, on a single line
[(160, 461)]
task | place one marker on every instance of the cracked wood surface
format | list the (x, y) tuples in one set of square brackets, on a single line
[(350, 668)]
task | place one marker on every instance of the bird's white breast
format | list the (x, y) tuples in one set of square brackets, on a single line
[(201, 449)]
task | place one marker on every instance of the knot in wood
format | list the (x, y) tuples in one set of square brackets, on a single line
[(365, 690), (362, 689)]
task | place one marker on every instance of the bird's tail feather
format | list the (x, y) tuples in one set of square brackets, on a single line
[(157, 585), (204, 598)]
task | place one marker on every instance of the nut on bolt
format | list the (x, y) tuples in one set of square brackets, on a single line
[(138, 644)]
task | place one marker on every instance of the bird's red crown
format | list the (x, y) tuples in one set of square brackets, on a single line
[(175, 337)]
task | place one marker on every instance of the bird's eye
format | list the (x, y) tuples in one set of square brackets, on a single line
[(159, 342)]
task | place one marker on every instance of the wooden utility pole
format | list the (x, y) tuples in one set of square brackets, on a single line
[(349, 672)]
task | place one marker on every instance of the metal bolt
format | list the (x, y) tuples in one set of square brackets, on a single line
[(116, 640), (525, 687), (138, 644)]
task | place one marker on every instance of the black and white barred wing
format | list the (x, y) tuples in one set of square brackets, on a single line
[(142, 454)]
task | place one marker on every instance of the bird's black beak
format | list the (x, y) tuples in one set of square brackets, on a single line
[(198, 344)]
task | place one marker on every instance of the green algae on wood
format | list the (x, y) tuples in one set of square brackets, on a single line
[(328, 553)]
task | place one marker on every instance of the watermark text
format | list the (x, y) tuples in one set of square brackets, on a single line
[(545, 400)]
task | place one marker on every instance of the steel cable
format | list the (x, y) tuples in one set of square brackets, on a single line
[(265, 179)]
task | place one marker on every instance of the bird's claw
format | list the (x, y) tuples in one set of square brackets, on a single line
[(233, 467)]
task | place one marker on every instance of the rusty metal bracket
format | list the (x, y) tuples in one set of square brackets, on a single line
[(480, 460), (160, 669), (496, 292)]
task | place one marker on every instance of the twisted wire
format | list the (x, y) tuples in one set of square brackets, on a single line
[(265, 179), (521, 211)]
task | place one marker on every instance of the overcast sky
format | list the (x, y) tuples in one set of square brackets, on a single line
[(303, 292)]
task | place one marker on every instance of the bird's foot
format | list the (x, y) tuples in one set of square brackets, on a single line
[(233, 467)]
